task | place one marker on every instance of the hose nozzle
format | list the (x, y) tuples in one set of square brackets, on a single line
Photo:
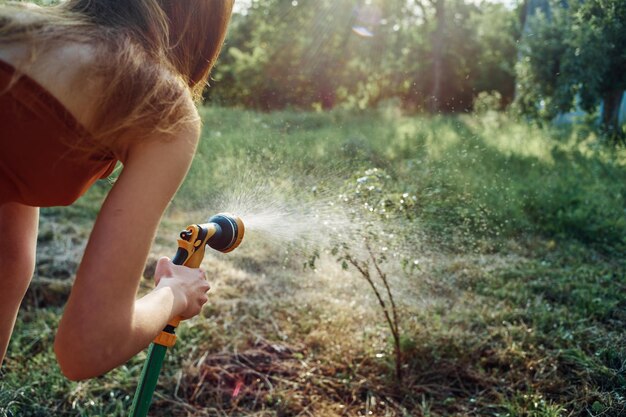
[(223, 232), (228, 234)]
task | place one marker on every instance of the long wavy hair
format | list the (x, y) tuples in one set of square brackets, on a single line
[(152, 54)]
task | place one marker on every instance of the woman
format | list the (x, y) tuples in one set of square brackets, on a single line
[(83, 85)]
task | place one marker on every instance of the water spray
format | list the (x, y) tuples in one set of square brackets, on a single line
[(223, 232)]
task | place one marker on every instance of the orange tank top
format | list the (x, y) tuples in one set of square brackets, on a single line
[(38, 164)]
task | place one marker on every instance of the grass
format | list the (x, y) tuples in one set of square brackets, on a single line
[(503, 243)]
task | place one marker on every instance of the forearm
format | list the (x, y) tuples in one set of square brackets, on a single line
[(152, 312), (92, 343)]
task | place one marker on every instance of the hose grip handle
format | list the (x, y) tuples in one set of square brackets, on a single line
[(190, 252)]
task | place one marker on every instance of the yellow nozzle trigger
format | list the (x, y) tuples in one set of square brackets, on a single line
[(188, 246), (195, 259)]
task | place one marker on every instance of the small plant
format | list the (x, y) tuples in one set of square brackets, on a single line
[(371, 194), (370, 269)]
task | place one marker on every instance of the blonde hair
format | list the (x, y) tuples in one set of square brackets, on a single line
[(154, 54)]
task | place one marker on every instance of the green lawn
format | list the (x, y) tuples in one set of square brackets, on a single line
[(502, 243)]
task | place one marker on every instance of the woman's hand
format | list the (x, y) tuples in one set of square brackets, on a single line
[(189, 286)]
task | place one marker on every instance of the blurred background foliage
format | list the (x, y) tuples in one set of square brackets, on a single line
[(548, 57), (427, 55)]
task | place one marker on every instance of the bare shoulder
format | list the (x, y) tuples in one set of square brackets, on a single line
[(78, 74), (178, 136), (176, 146)]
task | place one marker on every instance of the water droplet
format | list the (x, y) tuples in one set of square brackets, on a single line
[(362, 31)]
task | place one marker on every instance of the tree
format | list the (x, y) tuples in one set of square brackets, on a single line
[(542, 89), (573, 56), (597, 60), (458, 50), (429, 54), (498, 30)]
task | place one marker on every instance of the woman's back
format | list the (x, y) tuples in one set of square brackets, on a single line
[(64, 105), (112, 64), (47, 109), (61, 72)]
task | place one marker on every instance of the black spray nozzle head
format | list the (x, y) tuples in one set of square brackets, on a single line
[(229, 232)]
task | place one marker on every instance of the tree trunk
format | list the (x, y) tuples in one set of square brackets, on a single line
[(434, 101), (610, 114)]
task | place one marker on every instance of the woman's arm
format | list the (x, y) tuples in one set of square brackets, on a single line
[(103, 325), (18, 240)]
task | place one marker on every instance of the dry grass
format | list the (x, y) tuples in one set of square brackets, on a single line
[(277, 339)]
